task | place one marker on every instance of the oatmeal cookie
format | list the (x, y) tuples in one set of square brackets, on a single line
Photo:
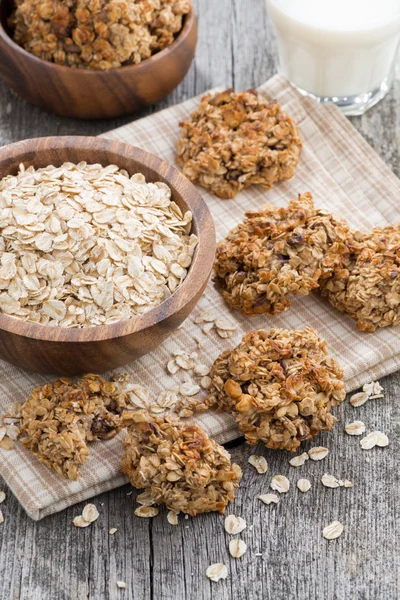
[(96, 35), (60, 418), (367, 286), (236, 139), (277, 252), (178, 465), (280, 386)]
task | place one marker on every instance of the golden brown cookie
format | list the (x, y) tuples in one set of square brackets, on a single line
[(280, 386), (277, 252), (178, 465), (237, 139)]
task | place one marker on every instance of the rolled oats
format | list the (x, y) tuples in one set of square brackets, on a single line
[(234, 525), (1, 517), (146, 512), (79, 521), (369, 441), (280, 483), (277, 252), (112, 530), (96, 35), (217, 571), (355, 428), (333, 530), (318, 453), (172, 517), (85, 245), (259, 463), (237, 548), (280, 385), (269, 498), (304, 485), (298, 461), (330, 481), (236, 139), (178, 465), (121, 585), (90, 513)]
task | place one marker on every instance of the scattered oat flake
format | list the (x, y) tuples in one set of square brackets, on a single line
[(373, 388), (206, 382), (2, 496), (225, 325), (318, 453), (121, 585), (112, 530), (280, 484), (207, 328), (90, 513), (217, 571), (346, 483), (382, 439), (3, 432), (172, 517), (201, 370), (304, 485), (79, 521), (259, 463), (369, 441), (184, 361), (330, 481), (189, 389), (1, 517), (268, 498), (355, 428), (237, 548), (172, 366), (298, 461), (333, 530), (359, 399), (234, 525), (145, 498), (6, 443), (207, 316), (146, 511)]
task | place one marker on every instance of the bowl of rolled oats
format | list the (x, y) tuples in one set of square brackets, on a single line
[(90, 59), (104, 251)]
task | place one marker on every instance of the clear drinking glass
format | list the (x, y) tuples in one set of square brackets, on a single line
[(338, 51)]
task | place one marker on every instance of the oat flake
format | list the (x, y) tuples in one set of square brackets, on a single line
[(355, 428), (280, 484), (298, 461), (318, 453), (237, 548), (259, 463), (172, 517), (234, 525), (268, 498), (333, 530), (90, 513), (146, 511), (217, 571), (304, 485)]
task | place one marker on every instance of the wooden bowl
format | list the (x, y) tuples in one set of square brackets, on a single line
[(72, 351), (91, 94)]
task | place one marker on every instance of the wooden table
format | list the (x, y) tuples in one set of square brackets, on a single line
[(287, 557)]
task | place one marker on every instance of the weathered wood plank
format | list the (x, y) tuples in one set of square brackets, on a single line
[(52, 560)]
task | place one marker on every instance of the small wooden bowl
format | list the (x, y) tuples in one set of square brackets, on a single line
[(91, 94), (97, 349)]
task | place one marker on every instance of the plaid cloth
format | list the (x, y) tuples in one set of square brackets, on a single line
[(344, 175)]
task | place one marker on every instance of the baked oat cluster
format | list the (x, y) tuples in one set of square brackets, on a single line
[(178, 465), (277, 252), (84, 245), (280, 386), (95, 34), (61, 418), (236, 139), (367, 286)]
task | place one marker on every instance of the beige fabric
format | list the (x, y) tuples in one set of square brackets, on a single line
[(345, 175)]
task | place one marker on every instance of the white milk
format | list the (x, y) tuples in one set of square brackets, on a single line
[(337, 49)]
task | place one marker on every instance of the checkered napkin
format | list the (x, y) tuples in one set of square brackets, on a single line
[(345, 176)]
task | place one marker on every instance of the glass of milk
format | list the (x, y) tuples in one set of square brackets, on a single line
[(338, 51)]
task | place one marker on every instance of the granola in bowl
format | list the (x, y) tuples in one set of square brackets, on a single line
[(367, 286), (237, 139), (178, 465), (97, 35), (60, 419), (280, 386), (277, 252)]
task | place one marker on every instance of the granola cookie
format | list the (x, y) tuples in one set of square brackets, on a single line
[(367, 286), (96, 35), (236, 139), (280, 386), (277, 252), (178, 465), (60, 418)]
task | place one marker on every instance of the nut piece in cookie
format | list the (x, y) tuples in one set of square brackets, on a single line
[(236, 139), (277, 252), (178, 465), (280, 386), (367, 286), (60, 418)]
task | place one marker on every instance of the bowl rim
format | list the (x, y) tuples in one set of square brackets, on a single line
[(189, 22), (199, 270)]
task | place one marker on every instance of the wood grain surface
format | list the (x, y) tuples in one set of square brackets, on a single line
[(287, 557), (97, 349), (91, 94)]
